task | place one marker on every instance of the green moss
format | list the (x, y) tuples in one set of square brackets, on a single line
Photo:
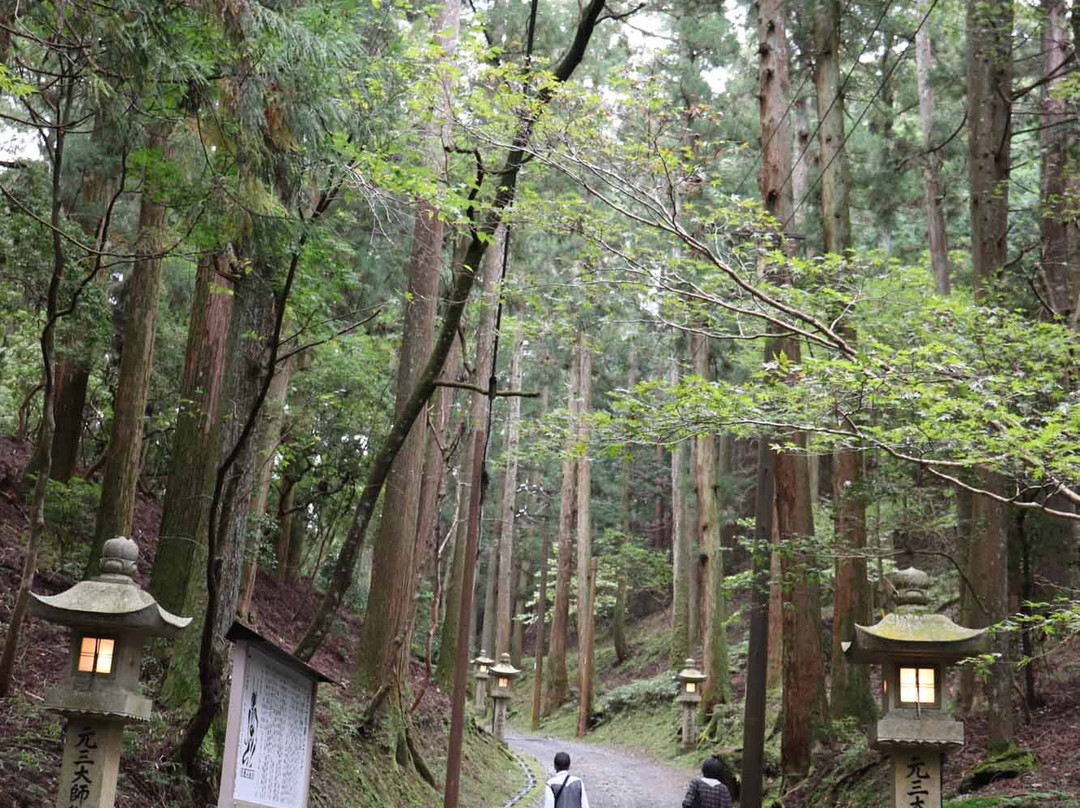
[(1007, 765), (1033, 800)]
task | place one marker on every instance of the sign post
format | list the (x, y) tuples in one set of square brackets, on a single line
[(271, 729)]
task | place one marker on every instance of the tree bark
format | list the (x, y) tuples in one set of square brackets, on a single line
[(503, 625), (265, 452), (491, 591), (558, 681), (934, 193), (717, 688), (618, 621), (194, 450), (479, 419), (541, 626), (680, 541), (835, 214), (586, 563), (517, 633), (989, 89), (120, 482), (753, 759), (1057, 261)]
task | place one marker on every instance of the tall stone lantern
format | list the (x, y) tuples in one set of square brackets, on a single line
[(483, 664), (690, 681), (110, 618), (502, 675), (914, 648)]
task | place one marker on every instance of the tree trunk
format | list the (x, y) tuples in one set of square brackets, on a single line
[(194, 450), (850, 684), (934, 193), (269, 438), (382, 657), (680, 541), (249, 353), (618, 621), (586, 563), (491, 591), (503, 627), (119, 484), (753, 759), (835, 215), (479, 419), (541, 621), (287, 516), (1057, 262), (521, 591), (989, 88), (586, 658), (717, 688), (72, 381), (558, 682)]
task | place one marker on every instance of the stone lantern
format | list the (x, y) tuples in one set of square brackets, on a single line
[(501, 676), (110, 618), (914, 647), (690, 681), (483, 663)]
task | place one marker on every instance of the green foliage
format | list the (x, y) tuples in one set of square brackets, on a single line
[(658, 691)]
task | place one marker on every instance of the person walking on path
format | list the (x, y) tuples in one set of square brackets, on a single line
[(564, 790), (707, 791)]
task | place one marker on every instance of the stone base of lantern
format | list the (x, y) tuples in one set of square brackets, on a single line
[(498, 723), (480, 697), (916, 777), (88, 774), (689, 727)]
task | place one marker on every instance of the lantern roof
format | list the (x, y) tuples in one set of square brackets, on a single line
[(112, 601), (483, 659), (505, 668), (689, 673), (912, 632)]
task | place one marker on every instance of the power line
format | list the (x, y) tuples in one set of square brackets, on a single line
[(838, 96), (877, 92)]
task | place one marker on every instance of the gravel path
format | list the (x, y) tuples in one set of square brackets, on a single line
[(613, 778)]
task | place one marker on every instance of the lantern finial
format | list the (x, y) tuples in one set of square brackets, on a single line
[(118, 557), (912, 587)]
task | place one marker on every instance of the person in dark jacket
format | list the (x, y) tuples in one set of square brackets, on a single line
[(707, 791)]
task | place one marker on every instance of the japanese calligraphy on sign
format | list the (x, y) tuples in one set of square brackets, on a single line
[(273, 743), (917, 778)]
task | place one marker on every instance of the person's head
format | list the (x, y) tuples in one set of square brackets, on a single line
[(562, 762), (712, 768)]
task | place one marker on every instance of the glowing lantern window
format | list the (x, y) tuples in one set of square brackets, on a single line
[(691, 687), (96, 655), (917, 686), (504, 682), (483, 669)]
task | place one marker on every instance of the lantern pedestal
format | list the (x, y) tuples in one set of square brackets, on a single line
[(480, 699), (498, 724), (689, 725), (916, 777), (88, 775)]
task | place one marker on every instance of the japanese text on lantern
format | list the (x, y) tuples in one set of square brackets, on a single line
[(918, 779), (82, 776)]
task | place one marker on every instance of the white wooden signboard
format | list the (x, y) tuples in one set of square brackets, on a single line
[(270, 733)]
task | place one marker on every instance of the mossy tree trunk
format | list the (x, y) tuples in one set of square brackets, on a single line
[(116, 508), (504, 616)]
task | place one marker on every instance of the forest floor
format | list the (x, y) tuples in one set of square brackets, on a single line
[(353, 766)]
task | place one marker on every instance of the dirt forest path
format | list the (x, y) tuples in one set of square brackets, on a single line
[(614, 778)]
